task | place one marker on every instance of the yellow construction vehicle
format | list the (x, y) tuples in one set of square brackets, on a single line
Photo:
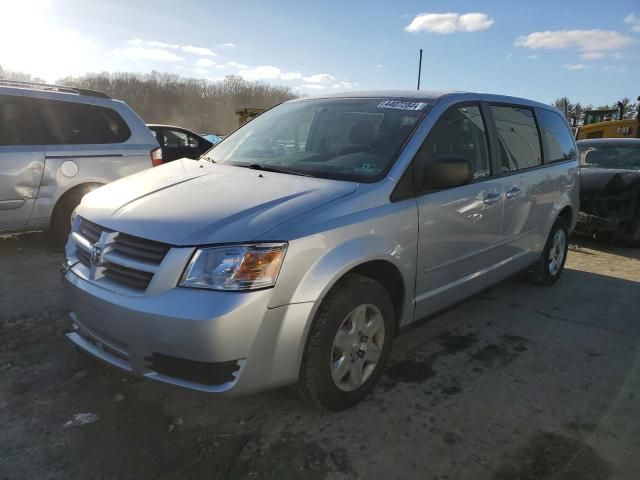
[(608, 123)]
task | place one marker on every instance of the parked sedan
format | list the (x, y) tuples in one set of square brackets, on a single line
[(177, 142), (610, 189)]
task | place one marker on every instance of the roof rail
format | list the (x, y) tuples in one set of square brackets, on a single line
[(52, 88)]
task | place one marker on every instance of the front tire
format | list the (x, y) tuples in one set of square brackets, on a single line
[(547, 270), (348, 345)]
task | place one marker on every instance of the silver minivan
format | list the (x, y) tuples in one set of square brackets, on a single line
[(294, 250), (58, 143)]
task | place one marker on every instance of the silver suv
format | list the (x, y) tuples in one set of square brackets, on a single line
[(57, 144), (293, 252)]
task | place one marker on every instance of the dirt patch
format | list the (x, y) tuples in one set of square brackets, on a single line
[(456, 343), (421, 370), (289, 457), (551, 456), (502, 354), (407, 371)]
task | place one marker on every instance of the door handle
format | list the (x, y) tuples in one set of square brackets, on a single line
[(492, 197), (513, 193)]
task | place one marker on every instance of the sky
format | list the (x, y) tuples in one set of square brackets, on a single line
[(588, 50)]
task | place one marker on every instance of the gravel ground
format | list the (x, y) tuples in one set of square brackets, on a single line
[(518, 382)]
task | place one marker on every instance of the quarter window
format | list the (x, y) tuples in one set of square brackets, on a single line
[(556, 137), (518, 139), (70, 123), (460, 132)]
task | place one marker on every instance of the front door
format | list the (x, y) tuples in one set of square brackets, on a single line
[(21, 165), (459, 228)]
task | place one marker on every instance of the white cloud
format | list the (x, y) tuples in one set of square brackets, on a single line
[(585, 41), (290, 76), (236, 65), (312, 86), (203, 51), (633, 21), (205, 62), (142, 53), (574, 66), (615, 69), (508, 57), (591, 55), (229, 45), (534, 57), (153, 44), (262, 72), (449, 22), (319, 78), (270, 72), (379, 65)]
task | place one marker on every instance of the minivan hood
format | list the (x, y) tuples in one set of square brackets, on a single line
[(189, 202)]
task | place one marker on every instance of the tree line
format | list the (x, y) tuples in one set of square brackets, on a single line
[(199, 105), (575, 111)]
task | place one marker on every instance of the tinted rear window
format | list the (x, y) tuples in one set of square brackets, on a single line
[(519, 142), (14, 127), (556, 137), (68, 123)]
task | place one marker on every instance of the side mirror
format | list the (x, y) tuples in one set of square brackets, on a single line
[(447, 172)]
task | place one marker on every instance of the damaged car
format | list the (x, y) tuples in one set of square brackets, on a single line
[(610, 189)]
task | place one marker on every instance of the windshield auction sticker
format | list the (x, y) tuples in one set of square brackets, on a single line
[(398, 105)]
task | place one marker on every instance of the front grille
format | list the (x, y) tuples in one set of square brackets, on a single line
[(90, 230), (123, 253), (140, 249), (204, 373), (84, 257), (134, 279)]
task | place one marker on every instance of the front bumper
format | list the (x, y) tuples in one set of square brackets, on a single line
[(243, 344)]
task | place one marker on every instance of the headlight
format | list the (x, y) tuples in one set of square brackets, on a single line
[(235, 267)]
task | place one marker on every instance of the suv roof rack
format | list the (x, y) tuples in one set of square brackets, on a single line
[(53, 88)]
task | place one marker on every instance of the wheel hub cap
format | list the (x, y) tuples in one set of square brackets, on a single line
[(357, 347), (556, 252)]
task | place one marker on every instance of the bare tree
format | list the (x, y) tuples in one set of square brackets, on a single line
[(200, 105), (192, 103)]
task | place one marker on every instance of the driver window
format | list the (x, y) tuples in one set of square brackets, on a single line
[(460, 132)]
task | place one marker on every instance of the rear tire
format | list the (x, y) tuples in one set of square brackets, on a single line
[(348, 345), (547, 270)]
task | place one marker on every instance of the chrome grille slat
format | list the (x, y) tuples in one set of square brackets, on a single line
[(128, 261)]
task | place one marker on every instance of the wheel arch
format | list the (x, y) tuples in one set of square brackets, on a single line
[(76, 189)]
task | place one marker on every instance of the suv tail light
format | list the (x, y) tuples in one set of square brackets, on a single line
[(156, 156)]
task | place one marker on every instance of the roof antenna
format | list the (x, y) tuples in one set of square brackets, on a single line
[(419, 68)]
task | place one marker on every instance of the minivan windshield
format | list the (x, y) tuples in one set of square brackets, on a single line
[(611, 155), (353, 139)]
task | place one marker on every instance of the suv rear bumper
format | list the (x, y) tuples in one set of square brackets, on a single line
[(219, 342)]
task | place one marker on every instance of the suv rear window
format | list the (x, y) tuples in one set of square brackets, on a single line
[(518, 138), (556, 137), (69, 123)]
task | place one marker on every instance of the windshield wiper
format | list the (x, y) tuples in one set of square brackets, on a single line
[(269, 168)]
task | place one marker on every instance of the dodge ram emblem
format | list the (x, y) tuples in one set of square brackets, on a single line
[(97, 251)]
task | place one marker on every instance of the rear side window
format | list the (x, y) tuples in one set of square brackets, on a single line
[(459, 132), (556, 137), (518, 139), (68, 123), (14, 128)]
